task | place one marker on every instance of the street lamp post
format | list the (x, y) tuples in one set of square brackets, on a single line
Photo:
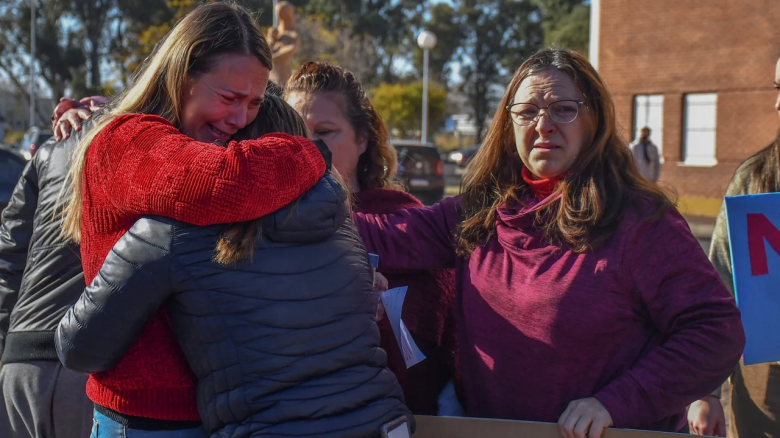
[(427, 41), (32, 63), (276, 17)]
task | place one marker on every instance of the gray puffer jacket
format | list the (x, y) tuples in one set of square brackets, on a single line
[(285, 345)]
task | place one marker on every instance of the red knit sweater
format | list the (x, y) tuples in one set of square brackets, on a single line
[(429, 313), (141, 165)]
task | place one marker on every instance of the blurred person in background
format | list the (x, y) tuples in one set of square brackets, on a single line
[(755, 389), (40, 278), (646, 156), (337, 111)]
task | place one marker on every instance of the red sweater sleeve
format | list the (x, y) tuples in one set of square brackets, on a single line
[(146, 166), (687, 302)]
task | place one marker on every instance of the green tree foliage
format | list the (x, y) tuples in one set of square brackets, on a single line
[(499, 35), (566, 23), (59, 53), (445, 24), (93, 16), (400, 105), (340, 46), (385, 27), (366, 36), (138, 27), (480, 42)]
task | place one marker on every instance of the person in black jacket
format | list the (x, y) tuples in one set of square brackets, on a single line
[(40, 278), (277, 317)]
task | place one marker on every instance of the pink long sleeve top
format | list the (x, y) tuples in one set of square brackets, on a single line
[(644, 323)]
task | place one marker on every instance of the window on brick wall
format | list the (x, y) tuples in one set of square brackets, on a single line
[(700, 129), (649, 111)]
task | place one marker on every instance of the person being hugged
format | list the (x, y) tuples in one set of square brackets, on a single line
[(337, 111), (164, 148), (276, 316)]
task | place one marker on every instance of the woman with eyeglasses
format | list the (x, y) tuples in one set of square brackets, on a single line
[(584, 299)]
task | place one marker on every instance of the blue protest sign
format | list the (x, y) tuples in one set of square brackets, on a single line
[(374, 259), (754, 234)]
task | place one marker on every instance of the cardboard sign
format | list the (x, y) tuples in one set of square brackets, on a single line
[(754, 235), (452, 427)]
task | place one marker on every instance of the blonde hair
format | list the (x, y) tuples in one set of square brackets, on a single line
[(192, 48), (238, 240)]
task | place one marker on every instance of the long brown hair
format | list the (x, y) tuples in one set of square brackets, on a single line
[(192, 48), (378, 165), (596, 190), (764, 171), (238, 240)]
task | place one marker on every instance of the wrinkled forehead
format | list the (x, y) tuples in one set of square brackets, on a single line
[(546, 87), (316, 107), (298, 100)]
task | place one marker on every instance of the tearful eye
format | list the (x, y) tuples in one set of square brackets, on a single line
[(528, 114), (563, 110)]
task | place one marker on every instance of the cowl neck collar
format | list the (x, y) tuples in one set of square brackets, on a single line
[(541, 188)]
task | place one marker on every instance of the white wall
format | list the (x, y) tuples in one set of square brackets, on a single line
[(595, 25)]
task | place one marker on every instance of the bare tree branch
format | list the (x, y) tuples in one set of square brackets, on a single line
[(40, 115)]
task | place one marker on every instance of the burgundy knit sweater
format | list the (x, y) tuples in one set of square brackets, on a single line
[(428, 314), (141, 165), (644, 323)]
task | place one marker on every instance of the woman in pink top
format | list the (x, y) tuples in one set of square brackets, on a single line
[(583, 297)]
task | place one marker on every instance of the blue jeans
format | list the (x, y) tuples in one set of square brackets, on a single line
[(104, 427)]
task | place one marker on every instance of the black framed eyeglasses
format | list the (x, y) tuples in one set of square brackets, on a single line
[(562, 111)]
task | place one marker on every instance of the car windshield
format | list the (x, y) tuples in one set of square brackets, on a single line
[(11, 167), (417, 160)]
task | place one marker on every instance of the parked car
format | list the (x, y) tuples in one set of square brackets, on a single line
[(11, 166), (36, 136), (462, 157), (421, 170)]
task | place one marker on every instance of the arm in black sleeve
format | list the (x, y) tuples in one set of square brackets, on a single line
[(111, 313), (16, 231)]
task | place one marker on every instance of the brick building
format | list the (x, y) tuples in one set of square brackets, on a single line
[(700, 73)]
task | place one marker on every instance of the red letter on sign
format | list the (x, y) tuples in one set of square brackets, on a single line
[(759, 228)]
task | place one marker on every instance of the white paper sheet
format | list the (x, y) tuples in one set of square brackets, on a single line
[(393, 301)]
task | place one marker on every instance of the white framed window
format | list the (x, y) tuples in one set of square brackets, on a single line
[(649, 111), (700, 129)]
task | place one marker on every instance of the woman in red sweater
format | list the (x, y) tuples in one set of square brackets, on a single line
[(336, 110), (583, 296), (164, 149)]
